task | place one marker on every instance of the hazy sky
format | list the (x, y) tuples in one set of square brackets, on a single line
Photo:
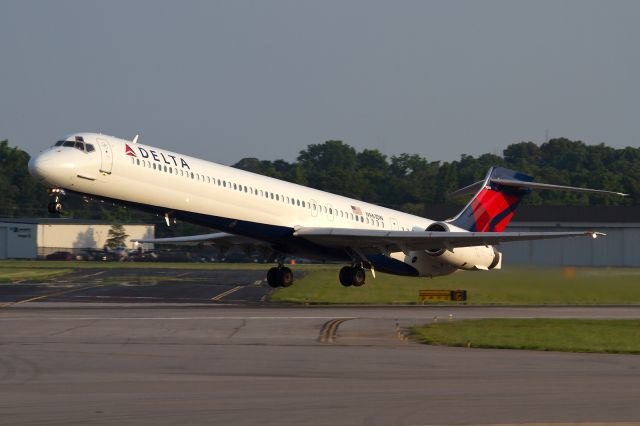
[(230, 79)]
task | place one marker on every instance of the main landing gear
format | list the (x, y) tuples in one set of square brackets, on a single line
[(280, 276), (352, 276), (55, 205)]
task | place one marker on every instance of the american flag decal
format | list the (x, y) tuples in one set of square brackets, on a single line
[(356, 210)]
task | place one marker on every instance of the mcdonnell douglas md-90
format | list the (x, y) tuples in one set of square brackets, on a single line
[(257, 211)]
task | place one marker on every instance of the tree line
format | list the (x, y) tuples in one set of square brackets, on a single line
[(406, 182), (409, 181)]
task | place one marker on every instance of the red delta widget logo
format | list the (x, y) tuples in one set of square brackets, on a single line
[(158, 157), (129, 151)]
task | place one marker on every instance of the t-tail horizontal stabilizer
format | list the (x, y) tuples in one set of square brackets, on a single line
[(497, 197), (475, 187)]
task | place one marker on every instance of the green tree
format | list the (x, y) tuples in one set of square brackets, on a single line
[(331, 166), (20, 194), (117, 236)]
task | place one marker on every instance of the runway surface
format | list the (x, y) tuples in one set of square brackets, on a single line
[(78, 361), (143, 286)]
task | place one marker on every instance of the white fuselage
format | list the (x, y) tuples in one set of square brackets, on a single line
[(170, 182)]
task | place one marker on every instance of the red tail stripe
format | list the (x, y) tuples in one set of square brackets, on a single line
[(489, 204)]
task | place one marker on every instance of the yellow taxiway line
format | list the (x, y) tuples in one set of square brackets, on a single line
[(220, 296), (44, 296)]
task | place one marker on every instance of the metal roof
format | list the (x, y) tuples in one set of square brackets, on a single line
[(545, 213)]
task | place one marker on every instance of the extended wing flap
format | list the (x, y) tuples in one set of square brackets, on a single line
[(216, 238), (412, 240)]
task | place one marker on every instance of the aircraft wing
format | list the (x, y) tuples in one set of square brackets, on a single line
[(216, 238), (393, 241)]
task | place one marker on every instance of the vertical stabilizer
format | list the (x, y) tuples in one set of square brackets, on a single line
[(493, 206)]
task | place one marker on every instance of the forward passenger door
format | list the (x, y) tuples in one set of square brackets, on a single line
[(107, 156)]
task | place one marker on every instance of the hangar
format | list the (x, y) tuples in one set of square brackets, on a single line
[(36, 238), (620, 247)]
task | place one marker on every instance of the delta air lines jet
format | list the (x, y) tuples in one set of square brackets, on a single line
[(257, 211)]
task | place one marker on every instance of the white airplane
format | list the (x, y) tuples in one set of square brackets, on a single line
[(258, 211)]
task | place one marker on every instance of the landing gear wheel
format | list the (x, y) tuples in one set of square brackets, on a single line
[(55, 203), (54, 207), (346, 276), (279, 277), (285, 277), (352, 276), (272, 279), (359, 276)]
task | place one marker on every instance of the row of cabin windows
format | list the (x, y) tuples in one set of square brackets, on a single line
[(257, 192)]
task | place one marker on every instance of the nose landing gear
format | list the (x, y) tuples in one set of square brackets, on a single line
[(55, 205)]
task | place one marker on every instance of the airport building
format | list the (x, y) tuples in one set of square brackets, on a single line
[(37, 238)]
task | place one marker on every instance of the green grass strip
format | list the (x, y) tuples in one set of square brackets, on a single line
[(566, 335), (52, 264), (511, 286), (320, 285), (24, 274)]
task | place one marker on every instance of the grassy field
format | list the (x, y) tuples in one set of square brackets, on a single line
[(22, 274), (505, 287), (601, 336), (320, 285)]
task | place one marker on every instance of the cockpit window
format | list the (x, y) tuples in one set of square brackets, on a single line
[(78, 144)]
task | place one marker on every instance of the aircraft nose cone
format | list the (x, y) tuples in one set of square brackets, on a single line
[(37, 165)]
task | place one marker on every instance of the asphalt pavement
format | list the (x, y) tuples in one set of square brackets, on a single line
[(80, 358), (143, 286)]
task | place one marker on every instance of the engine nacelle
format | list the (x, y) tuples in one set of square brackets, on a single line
[(444, 261)]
